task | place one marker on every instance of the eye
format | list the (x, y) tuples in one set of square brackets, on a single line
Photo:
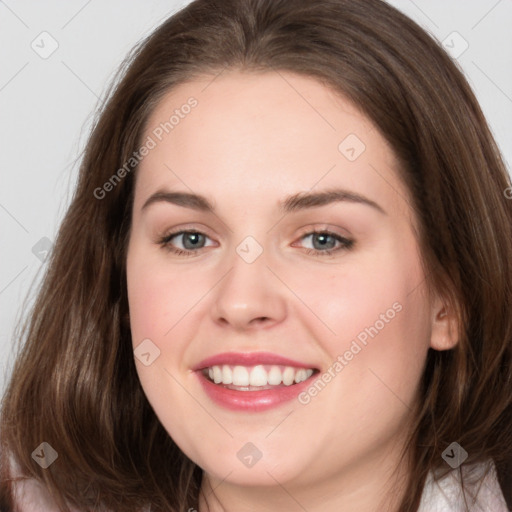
[(194, 240), (326, 241)]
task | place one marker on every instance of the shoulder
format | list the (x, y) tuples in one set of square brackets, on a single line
[(483, 492)]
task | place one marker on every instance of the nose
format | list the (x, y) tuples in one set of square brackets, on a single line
[(250, 296)]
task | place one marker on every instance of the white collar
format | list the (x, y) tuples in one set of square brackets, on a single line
[(482, 495)]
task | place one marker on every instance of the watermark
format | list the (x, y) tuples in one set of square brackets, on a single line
[(351, 147), (249, 249), (149, 144), (42, 248), (146, 352), (249, 454), (44, 45), (45, 455), (454, 455), (455, 45), (355, 347)]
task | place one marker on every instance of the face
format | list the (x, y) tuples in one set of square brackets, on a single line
[(255, 287)]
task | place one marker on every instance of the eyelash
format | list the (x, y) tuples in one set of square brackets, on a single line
[(346, 243)]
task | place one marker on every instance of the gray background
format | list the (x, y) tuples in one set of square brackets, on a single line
[(47, 104)]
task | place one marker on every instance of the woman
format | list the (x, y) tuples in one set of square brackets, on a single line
[(254, 371)]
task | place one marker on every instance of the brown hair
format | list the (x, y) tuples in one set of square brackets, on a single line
[(74, 384)]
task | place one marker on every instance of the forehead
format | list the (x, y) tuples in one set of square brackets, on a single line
[(259, 133)]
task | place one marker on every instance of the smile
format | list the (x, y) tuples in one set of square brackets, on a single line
[(253, 382)]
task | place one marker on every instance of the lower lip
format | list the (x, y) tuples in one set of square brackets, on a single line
[(256, 401)]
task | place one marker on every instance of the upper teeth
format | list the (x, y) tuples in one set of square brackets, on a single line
[(258, 375)]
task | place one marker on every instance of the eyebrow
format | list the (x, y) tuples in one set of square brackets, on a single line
[(293, 203)]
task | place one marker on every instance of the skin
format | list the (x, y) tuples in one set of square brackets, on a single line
[(252, 140)]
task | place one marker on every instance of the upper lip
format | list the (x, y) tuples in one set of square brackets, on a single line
[(249, 359)]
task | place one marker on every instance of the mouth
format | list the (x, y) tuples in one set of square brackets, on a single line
[(256, 378), (253, 382)]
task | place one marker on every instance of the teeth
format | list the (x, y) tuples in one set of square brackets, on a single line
[(217, 374), (240, 376), (275, 376), (227, 375), (258, 376), (300, 376), (288, 376)]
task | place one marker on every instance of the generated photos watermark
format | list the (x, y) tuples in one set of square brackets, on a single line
[(356, 346), (150, 143)]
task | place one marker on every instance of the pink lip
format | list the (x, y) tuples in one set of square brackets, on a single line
[(253, 401), (249, 359)]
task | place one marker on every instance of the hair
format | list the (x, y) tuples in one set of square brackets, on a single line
[(74, 383)]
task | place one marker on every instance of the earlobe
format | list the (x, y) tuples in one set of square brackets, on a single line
[(444, 333)]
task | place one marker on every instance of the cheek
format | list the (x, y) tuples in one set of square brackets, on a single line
[(366, 291), (152, 295)]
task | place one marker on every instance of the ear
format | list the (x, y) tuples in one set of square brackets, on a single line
[(444, 325)]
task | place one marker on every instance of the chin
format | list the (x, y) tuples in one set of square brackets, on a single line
[(266, 471)]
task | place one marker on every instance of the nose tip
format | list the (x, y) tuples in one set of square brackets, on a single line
[(245, 294)]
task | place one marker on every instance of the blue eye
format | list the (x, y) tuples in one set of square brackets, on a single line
[(196, 238), (323, 238)]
